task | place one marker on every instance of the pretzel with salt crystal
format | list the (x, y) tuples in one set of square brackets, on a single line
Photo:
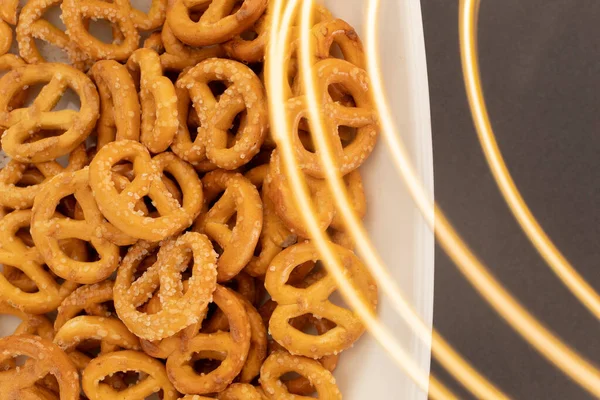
[(218, 21), (119, 206), (88, 298), (22, 123), (178, 309), (314, 299), (44, 358)]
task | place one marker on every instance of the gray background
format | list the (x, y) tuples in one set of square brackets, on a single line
[(540, 63)]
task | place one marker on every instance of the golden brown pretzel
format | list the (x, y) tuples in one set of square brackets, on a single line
[(48, 228), (117, 12), (230, 347), (23, 123), (217, 24), (242, 391), (124, 361), (178, 309), (253, 50), (6, 37), (313, 299), (118, 207), (279, 363), (157, 98), (15, 253), (344, 36), (18, 189), (44, 358), (239, 198), (280, 193), (32, 26), (8, 11), (245, 95), (89, 298), (179, 55), (119, 104)]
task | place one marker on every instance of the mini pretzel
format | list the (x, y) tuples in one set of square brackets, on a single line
[(119, 104), (22, 123), (250, 51), (280, 363), (245, 94), (15, 253), (123, 361), (178, 309), (294, 302), (89, 298), (342, 34), (32, 26), (14, 173), (48, 229), (117, 12), (119, 207), (231, 347), (31, 324), (242, 391), (279, 191), (44, 358), (158, 100), (217, 24), (239, 198)]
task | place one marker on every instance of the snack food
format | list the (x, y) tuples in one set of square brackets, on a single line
[(169, 244)]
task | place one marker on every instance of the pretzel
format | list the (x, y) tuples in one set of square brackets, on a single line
[(9, 62), (124, 361), (23, 123), (239, 198), (178, 309), (230, 347), (117, 12), (242, 391), (31, 324), (344, 36), (158, 100), (245, 94), (274, 236), (294, 302), (279, 363), (44, 358), (253, 50), (258, 337), (119, 104), (217, 24), (279, 191), (6, 37), (89, 298), (179, 55), (17, 173), (118, 208), (47, 229), (15, 253), (32, 26), (151, 20)]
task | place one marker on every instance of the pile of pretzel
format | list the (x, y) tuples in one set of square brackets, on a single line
[(167, 254)]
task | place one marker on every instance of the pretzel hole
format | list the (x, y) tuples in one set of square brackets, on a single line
[(105, 31), (25, 236), (205, 362), (335, 51), (306, 274), (249, 35), (347, 134), (341, 95), (217, 88), (7, 328)]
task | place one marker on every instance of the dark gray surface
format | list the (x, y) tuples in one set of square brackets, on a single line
[(540, 63)]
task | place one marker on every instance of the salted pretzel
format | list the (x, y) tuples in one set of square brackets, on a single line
[(88, 298), (44, 358), (240, 198), (339, 32), (280, 193), (231, 348), (242, 391), (119, 104), (180, 55), (124, 361), (313, 299), (119, 207), (118, 12), (31, 324), (32, 26), (217, 23), (22, 123), (20, 182), (48, 293), (280, 363), (274, 235), (6, 37), (157, 98), (178, 309), (245, 94), (48, 229)]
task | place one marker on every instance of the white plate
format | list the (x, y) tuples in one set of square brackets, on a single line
[(397, 229)]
